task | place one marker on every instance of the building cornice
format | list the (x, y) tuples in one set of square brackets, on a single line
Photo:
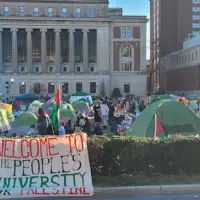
[(130, 19), (58, 1), (69, 21)]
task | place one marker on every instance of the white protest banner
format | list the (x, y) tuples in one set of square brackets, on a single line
[(51, 166)]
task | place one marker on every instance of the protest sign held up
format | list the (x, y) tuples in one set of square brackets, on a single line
[(51, 166)]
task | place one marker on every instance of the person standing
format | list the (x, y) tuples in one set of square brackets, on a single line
[(104, 113), (42, 122)]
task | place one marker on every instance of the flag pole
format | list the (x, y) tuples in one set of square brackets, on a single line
[(155, 131)]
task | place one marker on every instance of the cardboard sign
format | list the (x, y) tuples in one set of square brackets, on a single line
[(51, 166)]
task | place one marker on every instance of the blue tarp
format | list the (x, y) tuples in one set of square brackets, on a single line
[(28, 97)]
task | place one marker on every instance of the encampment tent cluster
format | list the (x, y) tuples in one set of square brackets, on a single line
[(175, 117)]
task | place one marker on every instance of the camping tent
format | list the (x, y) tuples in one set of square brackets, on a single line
[(31, 97), (81, 106), (68, 112), (161, 97), (174, 116), (25, 119), (34, 107), (81, 96), (5, 116)]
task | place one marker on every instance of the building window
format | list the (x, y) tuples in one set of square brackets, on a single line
[(78, 87), (127, 88), (65, 88), (123, 32), (92, 46), (50, 46), (6, 11), (195, 25), (51, 69), (64, 46), (92, 12), (22, 88), (22, 46), (196, 1), (192, 56), (126, 32), (37, 69), (64, 69), (35, 11), (78, 12), (78, 37), (64, 12), (22, 69), (196, 17), (93, 87), (196, 55), (129, 32), (21, 11), (37, 88), (195, 33), (36, 46), (7, 45), (196, 9), (51, 88), (78, 69), (126, 58), (50, 12)]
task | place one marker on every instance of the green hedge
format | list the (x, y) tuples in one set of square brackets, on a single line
[(113, 156)]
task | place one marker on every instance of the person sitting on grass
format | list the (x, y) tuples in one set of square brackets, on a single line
[(61, 130), (87, 127), (97, 129)]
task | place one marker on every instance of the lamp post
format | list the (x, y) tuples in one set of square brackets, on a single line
[(12, 81)]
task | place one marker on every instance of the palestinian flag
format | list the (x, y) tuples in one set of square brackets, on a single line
[(159, 131), (55, 111)]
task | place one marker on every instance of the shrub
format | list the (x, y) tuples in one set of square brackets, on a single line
[(116, 93), (129, 155)]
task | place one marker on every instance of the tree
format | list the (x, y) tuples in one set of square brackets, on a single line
[(116, 93), (102, 89), (39, 89)]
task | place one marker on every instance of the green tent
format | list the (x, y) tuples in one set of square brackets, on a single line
[(161, 97), (36, 103), (80, 106), (5, 116), (25, 119), (68, 112), (164, 97), (80, 94), (95, 102), (174, 116)]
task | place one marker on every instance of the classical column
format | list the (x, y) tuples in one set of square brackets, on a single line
[(43, 50), (14, 50), (57, 45), (29, 49), (1, 51), (85, 50), (71, 49)]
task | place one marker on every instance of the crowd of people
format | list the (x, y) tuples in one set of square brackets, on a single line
[(108, 114)]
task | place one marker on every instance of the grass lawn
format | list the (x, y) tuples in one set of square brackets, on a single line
[(141, 179)]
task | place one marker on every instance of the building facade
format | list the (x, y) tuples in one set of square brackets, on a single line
[(81, 45), (171, 22), (196, 17), (180, 71)]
